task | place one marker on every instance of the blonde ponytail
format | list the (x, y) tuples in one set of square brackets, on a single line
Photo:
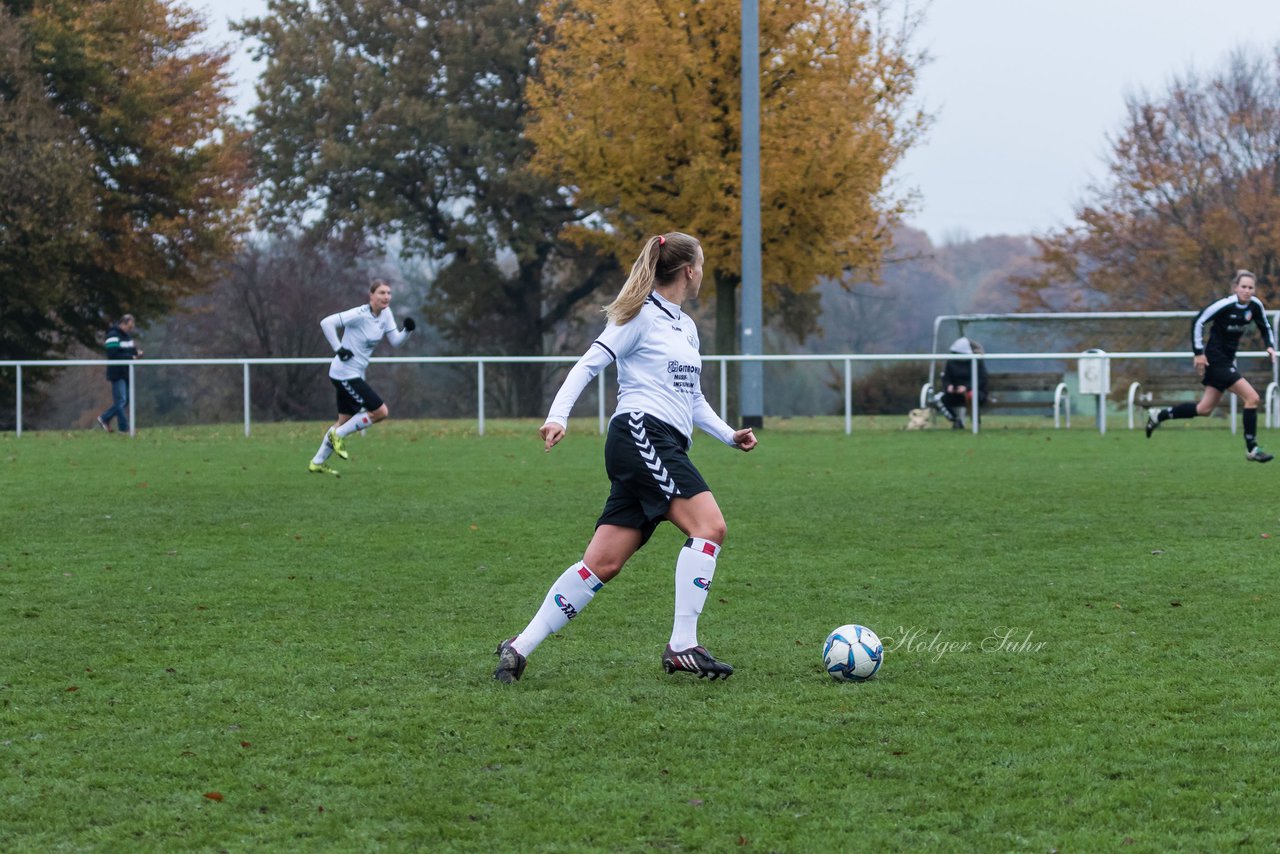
[(638, 285), (660, 260)]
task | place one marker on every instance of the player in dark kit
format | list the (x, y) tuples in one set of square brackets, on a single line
[(1215, 360)]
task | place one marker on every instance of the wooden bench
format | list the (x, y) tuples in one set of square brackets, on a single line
[(1160, 390), (1031, 388)]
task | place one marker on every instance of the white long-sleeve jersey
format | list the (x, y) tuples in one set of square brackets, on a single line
[(359, 330), (659, 371)]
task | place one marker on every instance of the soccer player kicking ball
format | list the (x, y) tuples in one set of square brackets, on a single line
[(659, 403), (1215, 360), (353, 334)]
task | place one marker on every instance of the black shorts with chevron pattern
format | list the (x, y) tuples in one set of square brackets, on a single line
[(648, 466), (354, 395)]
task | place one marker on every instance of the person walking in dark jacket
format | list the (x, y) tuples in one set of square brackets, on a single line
[(121, 349)]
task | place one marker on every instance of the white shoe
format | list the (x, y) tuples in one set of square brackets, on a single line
[(1153, 421)]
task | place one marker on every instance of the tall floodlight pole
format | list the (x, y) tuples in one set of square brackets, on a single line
[(752, 315)]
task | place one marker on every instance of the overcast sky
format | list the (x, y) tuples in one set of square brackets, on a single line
[(1025, 91)]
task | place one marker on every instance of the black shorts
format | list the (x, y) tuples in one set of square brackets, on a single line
[(1221, 377), (354, 395), (648, 465)]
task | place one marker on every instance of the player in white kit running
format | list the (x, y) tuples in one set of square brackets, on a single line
[(354, 334), (646, 455)]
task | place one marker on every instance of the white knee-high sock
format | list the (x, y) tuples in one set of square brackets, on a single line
[(325, 449), (570, 593), (359, 421), (695, 567)]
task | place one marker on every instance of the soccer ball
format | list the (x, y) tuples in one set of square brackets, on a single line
[(852, 653)]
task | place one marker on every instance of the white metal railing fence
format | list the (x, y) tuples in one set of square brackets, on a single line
[(1272, 393)]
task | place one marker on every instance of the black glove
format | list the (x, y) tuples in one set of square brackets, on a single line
[(409, 325), (344, 354)]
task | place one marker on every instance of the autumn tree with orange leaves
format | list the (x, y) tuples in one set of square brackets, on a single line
[(1192, 193), (404, 123), (122, 172), (637, 110)]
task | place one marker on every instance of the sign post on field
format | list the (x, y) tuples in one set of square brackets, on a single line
[(1095, 378)]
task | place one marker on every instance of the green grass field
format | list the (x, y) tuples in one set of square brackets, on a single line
[(203, 647)]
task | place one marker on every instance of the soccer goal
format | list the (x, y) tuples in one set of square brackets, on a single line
[(1148, 356)]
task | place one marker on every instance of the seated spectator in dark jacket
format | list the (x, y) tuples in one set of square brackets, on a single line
[(957, 376)]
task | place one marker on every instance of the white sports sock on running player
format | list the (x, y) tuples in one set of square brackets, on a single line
[(359, 421), (325, 450), (570, 593), (695, 567)]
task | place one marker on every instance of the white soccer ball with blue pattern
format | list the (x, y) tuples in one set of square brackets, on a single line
[(852, 653)]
